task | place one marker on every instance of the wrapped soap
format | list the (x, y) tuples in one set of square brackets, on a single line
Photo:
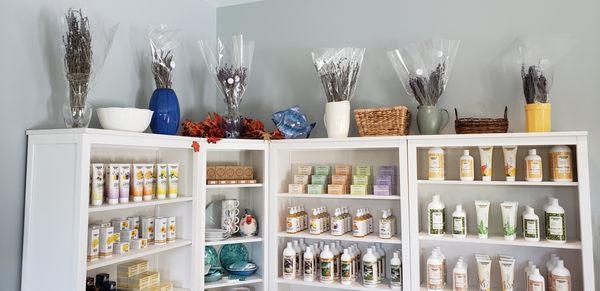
[(301, 179), (292, 123), (337, 189), (388, 171), (319, 179), (305, 170), (340, 179), (361, 180), (359, 189), (385, 180), (297, 188), (322, 170), (363, 170), (382, 190), (316, 188), (343, 169)]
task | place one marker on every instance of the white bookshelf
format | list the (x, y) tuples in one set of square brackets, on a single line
[(574, 197)]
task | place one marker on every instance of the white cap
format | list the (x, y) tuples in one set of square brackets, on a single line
[(465, 152), (532, 152)]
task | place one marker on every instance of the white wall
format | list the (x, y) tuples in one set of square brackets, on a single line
[(287, 30), (33, 86)]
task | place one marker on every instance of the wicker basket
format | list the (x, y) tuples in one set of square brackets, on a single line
[(382, 121), (481, 125)]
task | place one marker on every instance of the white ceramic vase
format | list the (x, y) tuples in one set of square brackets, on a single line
[(337, 119)]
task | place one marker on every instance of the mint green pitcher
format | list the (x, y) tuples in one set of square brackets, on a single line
[(431, 120)]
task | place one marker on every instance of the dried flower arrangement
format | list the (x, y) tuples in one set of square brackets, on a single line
[(162, 66), (78, 61), (535, 84), (428, 90), (338, 70), (232, 81)]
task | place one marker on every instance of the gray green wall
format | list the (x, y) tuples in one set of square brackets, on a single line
[(287, 30), (33, 85)]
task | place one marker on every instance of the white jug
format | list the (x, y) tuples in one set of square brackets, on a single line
[(337, 118)]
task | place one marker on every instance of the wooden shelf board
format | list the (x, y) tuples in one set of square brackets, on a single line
[(223, 283), (134, 254), (499, 240), (372, 238)]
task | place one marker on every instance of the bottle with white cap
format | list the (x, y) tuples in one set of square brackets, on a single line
[(531, 225), (370, 272), (436, 217), (346, 267), (535, 281), (533, 167), (336, 260), (459, 276), (459, 222), (555, 222), (309, 265), (467, 168), (298, 251), (327, 269), (396, 272), (561, 277), (289, 262)]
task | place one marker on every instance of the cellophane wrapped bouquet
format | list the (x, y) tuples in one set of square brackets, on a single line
[(229, 67), (85, 45), (424, 68), (338, 70), (162, 43)]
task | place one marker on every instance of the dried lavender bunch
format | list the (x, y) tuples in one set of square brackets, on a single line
[(232, 81), (78, 56), (428, 90), (339, 79), (535, 84), (162, 66)]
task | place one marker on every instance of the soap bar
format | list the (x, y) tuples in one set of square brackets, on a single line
[(322, 170), (382, 190), (361, 180), (121, 247), (340, 180), (359, 189), (211, 173), (388, 171), (363, 170), (384, 180), (296, 188), (316, 188), (301, 179), (319, 179), (337, 189), (343, 169), (305, 170)]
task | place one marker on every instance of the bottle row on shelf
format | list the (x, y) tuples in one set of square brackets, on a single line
[(558, 276), (333, 262), (320, 221), (122, 183), (559, 157), (554, 216), (123, 234), (320, 180)]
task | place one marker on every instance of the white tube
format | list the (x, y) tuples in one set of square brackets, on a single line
[(483, 211), (507, 271), (510, 162), (484, 272), (509, 219), (485, 155)]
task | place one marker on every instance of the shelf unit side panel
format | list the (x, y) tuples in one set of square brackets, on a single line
[(585, 214)]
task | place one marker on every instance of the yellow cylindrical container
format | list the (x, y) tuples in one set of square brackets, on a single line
[(538, 117)]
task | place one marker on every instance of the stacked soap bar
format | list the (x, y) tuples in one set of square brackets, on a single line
[(361, 180), (300, 179), (385, 183), (229, 175), (340, 180), (319, 179), (134, 275)]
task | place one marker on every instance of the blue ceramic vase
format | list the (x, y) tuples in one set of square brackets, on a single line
[(165, 105)]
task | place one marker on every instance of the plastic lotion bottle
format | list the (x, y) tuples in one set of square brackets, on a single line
[(531, 225), (555, 222), (459, 276), (396, 271), (510, 162), (485, 154), (309, 265), (459, 222), (346, 268), (299, 260), (550, 264), (561, 277), (437, 218), (289, 262), (435, 272), (383, 260), (535, 281), (326, 265), (370, 272), (436, 164), (467, 171), (509, 219), (561, 167), (483, 211), (533, 167)]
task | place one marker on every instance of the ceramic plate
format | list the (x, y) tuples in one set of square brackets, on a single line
[(233, 253), (213, 215), (210, 256)]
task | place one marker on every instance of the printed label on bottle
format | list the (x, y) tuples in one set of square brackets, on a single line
[(326, 270), (562, 283), (460, 282), (436, 166), (360, 228), (555, 226), (436, 221), (535, 286), (458, 225), (396, 274), (346, 272), (466, 168), (531, 228), (292, 225), (309, 266), (337, 226), (316, 226), (370, 273), (385, 229), (534, 169), (560, 165), (289, 270), (435, 278)]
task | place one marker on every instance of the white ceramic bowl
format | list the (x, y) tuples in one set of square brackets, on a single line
[(125, 119)]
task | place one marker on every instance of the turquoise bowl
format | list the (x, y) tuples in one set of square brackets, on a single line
[(211, 256), (233, 253)]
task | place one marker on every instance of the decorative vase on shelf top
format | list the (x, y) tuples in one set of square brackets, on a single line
[(538, 117), (431, 120), (337, 119), (165, 105)]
